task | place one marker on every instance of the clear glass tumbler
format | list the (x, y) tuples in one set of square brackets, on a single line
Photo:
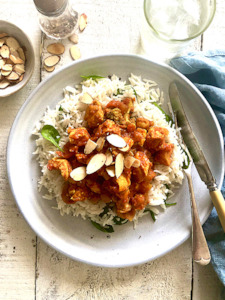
[(169, 26)]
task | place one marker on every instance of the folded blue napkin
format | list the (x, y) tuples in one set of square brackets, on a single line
[(207, 71)]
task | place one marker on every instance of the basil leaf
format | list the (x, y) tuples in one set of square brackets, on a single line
[(119, 221), (107, 228), (51, 134), (168, 118), (93, 77), (105, 211), (151, 213)]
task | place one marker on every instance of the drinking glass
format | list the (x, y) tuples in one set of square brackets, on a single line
[(168, 26)]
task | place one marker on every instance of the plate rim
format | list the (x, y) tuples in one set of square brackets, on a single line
[(72, 65)]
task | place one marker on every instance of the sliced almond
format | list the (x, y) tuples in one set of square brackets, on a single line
[(111, 171), (11, 42), (86, 98), (2, 42), (125, 149), (82, 22), (4, 84), (14, 52), (5, 51), (7, 67), (89, 147), (56, 48), (136, 163), (74, 38), (2, 63), (75, 52), (96, 162), (119, 165), (21, 53), (78, 173), (109, 158), (49, 69), (19, 68), (5, 73), (116, 140), (128, 161), (8, 61), (3, 34), (13, 76), (52, 60), (100, 143), (21, 78), (16, 59)]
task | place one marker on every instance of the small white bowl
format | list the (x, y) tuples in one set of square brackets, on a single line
[(25, 42)]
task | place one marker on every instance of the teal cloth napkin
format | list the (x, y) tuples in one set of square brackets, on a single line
[(207, 71)]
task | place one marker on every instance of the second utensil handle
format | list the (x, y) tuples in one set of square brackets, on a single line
[(201, 254), (219, 203)]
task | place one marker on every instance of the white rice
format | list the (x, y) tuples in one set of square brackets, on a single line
[(70, 112)]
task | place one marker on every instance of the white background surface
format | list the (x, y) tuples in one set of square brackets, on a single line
[(29, 269)]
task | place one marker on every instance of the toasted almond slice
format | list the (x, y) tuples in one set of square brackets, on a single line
[(49, 69), (21, 53), (78, 173), (86, 98), (128, 161), (4, 83), (21, 78), (19, 68), (13, 76), (52, 60), (96, 162), (136, 163), (74, 38), (5, 51), (56, 48), (15, 59), (14, 52), (8, 61), (111, 171), (100, 143), (82, 23), (7, 67), (2, 42), (75, 52), (109, 158), (2, 63), (116, 140), (5, 73), (119, 165), (125, 149), (89, 147), (3, 34), (11, 42)]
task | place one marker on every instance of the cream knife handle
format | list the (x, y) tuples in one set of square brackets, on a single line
[(201, 254), (219, 203)]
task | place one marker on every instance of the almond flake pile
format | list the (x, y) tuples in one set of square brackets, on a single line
[(112, 159), (12, 61), (57, 49)]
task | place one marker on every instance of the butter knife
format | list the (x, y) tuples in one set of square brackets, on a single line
[(197, 154)]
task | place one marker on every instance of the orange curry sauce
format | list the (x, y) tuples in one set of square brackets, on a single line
[(129, 192)]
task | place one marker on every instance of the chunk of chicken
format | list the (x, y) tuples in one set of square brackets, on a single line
[(141, 172), (78, 136), (144, 123), (107, 127), (94, 114), (156, 137), (164, 156), (139, 136), (139, 202), (60, 164)]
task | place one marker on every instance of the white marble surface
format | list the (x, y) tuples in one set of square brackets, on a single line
[(29, 269)]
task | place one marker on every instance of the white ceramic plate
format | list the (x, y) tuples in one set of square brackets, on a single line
[(77, 238)]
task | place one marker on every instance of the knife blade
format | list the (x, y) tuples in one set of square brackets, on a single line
[(196, 153)]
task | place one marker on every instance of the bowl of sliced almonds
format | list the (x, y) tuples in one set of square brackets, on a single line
[(16, 59)]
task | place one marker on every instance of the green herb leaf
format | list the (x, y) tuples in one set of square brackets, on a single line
[(51, 134), (107, 228), (93, 77), (151, 213), (60, 108), (105, 211), (170, 204), (119, 221), (185, 166), (168, 118), (118, 92)]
